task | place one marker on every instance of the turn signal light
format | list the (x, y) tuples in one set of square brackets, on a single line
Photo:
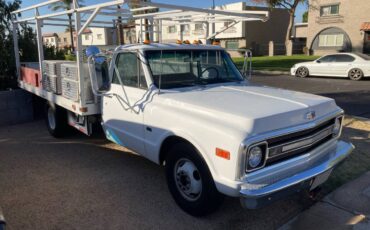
[(223, 153), (147, 42)]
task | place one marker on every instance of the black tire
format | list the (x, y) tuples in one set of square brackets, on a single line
[(355, 74), (56, 120), (198, 204), (302, 72)]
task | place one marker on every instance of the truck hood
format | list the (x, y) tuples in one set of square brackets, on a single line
[(253, 108)]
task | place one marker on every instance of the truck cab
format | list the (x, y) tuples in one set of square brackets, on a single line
[(189, 108)]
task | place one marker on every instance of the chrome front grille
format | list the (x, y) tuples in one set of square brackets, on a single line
[(294, 144)]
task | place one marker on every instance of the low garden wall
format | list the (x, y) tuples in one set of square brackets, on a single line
[(16, 107)]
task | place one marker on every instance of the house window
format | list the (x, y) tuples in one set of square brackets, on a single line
[(331, 40), (59, 40), (86, 37), (65, 39), (233, 44), (171, 29), (198, 26), (227, 24), (47, 40), (329, 10), (99, 36), (51, 39)]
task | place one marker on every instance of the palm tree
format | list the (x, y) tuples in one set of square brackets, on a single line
[(66, 5)]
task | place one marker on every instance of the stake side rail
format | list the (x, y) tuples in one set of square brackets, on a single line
[(165, 12)]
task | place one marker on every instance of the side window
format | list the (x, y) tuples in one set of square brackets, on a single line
[(130, 71), (345, 58), (329, 58)]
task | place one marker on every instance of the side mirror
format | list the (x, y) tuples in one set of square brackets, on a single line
[(318, 61), (98, 65)]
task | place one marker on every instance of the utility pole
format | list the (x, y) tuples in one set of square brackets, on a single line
[(120, 28), (213, 24)]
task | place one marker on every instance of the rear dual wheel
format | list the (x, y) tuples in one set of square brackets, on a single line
[(56, 120)]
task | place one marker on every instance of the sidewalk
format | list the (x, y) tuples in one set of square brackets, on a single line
[(348, 207)]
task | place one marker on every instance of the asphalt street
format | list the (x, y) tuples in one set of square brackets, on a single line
[(352, 96), (88, 183)]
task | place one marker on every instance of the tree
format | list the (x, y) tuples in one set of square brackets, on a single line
[(305, 17), (66, 5), (291, 6), (7, 59)]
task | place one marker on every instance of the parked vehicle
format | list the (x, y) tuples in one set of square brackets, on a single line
[(188, 108), (355, 66)]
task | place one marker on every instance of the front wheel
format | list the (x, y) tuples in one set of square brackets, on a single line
[(302, 72), (190, 182), (355, 74)]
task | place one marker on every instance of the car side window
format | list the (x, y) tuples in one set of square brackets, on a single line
[(344, 58), (130, 71), (328, 58)]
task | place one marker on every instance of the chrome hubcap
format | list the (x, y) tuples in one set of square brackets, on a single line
[(188, 180), (51, 118), (355, 74)]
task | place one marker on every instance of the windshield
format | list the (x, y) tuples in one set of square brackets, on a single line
[(183, 68)]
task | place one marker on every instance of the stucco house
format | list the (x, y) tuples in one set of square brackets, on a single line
[(50, 39), (338, 25), (254, 34)]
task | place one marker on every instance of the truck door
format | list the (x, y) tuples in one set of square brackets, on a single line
[(122, 112)]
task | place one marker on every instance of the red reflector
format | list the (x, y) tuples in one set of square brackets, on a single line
[(223, 153)]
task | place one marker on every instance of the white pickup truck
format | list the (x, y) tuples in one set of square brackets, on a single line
[(188, 107)]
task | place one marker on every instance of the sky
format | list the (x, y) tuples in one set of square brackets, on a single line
[(193, 3)]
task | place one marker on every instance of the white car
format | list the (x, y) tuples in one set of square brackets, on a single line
[(355, 66)]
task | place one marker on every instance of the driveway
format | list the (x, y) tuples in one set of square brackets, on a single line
[(352, 96), (88, 183)]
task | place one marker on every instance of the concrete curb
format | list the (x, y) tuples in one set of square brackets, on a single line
[(336, 210)]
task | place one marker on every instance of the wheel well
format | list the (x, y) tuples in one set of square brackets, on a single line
[(167, 144)]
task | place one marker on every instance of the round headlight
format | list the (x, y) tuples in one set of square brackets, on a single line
[(255, 156), (337, 126)]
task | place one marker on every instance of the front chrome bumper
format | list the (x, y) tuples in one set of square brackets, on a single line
[(277, 181)]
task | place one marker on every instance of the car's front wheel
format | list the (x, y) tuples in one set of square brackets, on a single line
[(190, 182), (355, 74), (302, 72)]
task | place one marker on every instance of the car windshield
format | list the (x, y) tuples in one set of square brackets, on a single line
[(183, 68), (363, 56)]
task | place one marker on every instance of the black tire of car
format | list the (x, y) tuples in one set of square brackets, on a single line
[(209, 199), (56, 120), (302, 72), (355, 74)]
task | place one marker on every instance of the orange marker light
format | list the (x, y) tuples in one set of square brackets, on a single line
[(223, 153), (147, 42), (216, 43)]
